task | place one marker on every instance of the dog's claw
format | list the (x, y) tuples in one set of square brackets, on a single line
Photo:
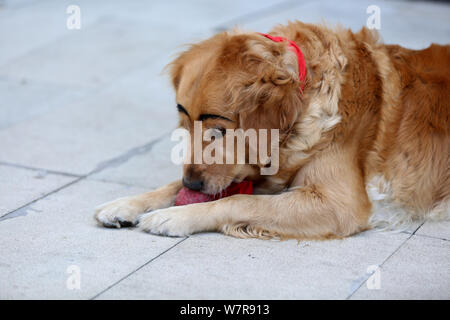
[(121, 213), (126, 224)]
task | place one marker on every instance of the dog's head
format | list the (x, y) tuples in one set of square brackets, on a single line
[(234, 81)]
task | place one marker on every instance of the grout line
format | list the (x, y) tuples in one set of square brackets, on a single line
[(119, 183), (61, 173), (431, 237), (102, 166), (417, 229), (9, 214), (125, 184), (139, 268), (123, 158), (379, 267), (395, 251)]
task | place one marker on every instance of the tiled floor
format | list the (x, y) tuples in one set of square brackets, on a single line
[(85, 117)]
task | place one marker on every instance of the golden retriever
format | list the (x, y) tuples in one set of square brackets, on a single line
[(369, 132)]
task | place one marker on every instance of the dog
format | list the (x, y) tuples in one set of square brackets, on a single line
[(364, 135)]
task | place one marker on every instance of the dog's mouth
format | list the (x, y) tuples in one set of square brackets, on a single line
[(219, 190), (219, 185), (216, 189), (242, 187)]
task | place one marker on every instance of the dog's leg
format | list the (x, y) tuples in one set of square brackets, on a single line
[(124, 212), (301, 213), (330, 201)]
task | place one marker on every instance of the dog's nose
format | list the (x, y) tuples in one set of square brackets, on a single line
[(196, 185)]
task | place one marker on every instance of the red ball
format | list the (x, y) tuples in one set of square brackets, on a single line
[(188, 196)]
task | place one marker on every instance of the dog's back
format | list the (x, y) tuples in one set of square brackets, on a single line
[(414, 147), (419, 161), (395, 105)]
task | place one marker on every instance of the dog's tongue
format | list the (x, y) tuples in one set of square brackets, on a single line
[(188, 196)]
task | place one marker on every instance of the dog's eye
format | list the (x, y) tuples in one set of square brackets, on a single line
[(222, 131), (216, 133)]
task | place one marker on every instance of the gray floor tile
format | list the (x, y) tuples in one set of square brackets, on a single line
[(95, 55), (80, 135), (20, 186), (152, 169), (113, 38), (59, 231), (26, 25), (419, 270), (438, 229), (210, 266), (23, 99), (420, 24)]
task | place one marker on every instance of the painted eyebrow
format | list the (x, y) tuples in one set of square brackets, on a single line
[(180, 108), (205, 116)]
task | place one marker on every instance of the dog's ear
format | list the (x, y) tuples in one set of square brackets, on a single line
[(268, 96), (277, 63), (270, 113), (175, 69)]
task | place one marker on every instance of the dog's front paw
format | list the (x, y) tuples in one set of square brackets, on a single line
[(172, 222), (122, 212)]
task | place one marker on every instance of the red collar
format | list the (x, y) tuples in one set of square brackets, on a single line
[(301, 59)]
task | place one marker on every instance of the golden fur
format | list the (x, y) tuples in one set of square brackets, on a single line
[(371, 125)]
